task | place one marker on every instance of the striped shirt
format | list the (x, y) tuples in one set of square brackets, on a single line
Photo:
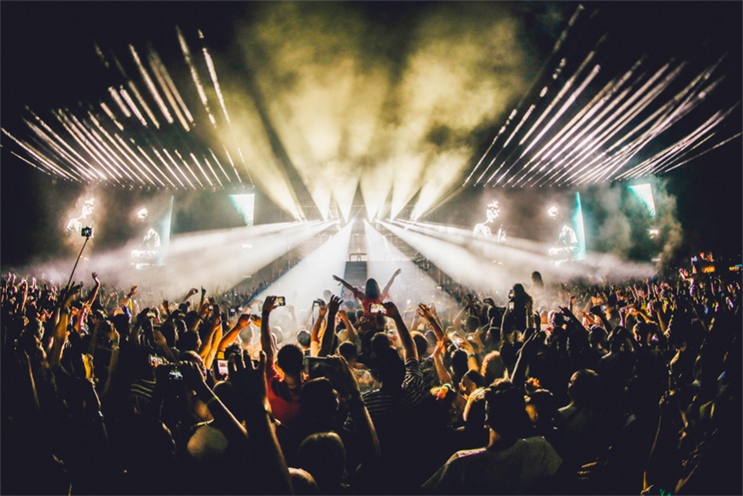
[(141, 393), (385, 407)]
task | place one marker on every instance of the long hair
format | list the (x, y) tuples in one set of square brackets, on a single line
[(373, 290)]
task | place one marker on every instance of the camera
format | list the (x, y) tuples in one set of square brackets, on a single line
[(86, 232)]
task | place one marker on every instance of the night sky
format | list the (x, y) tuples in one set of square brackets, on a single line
[(48, 61)]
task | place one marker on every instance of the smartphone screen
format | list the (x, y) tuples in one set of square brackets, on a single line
[(280, 301), (377, 308), (156, 361), (222, 367)]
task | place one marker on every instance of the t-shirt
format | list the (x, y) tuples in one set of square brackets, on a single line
[(516, 470), (385, 406), (284, 402), (141, 393)]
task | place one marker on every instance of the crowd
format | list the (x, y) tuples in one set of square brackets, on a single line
[(565, 388)]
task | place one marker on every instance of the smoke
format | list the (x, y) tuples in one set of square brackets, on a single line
[(671, 231), (354, 103), (618, 223)]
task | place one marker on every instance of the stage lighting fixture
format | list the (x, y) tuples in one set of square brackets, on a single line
[(245, 205), (645, 193), (552, 212)]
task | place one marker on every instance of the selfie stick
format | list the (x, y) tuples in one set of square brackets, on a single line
[(87, 237)]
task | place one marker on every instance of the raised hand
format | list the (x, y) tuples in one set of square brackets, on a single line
[(191, 373), (68, 294), (467, 346), (322, 309), (142, 316), (425, 312), (391, 310), (341, 377), (269, 304), (531, 345), (132, 291), (95, 278), (334, 304), (248, 379)]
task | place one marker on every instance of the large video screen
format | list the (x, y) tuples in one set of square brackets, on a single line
[(152, 220), (552, 217)]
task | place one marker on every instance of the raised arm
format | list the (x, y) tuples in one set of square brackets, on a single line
[(94, 291), (598, 313), (249, 382), (345, 284), (242, 323), (327, 337), (128, 297), (60, 331), (266, 343), (162, 344), (345, 383), (471, 355), (350, 329), (408, 346), (438, 361), (216, 341), (190, 293), (386, 290), (233, 430), (526, 353), (425, 312), (316, 328)]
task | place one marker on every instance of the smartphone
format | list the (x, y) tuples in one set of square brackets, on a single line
[(156, 361), (603, 308), (510, 305), (377, 308), (222, 367), (316, 366), (280, 301)]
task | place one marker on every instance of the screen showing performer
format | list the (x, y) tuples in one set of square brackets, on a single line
[(488, 227), (153, 223)]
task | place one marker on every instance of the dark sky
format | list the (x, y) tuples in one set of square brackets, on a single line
[(48, 61)]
